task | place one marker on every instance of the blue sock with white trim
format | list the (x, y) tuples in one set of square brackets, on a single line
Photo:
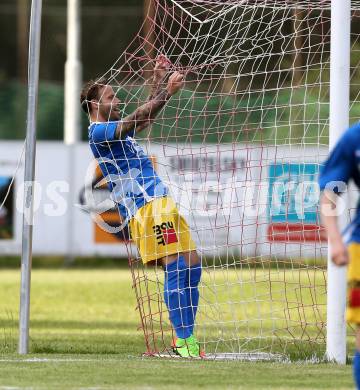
[(356, 369), (175, 297), (192, 279)]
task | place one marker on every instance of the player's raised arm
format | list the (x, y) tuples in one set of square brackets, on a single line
[(161, 70), (145, 114)]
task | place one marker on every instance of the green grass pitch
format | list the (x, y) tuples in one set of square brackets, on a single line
[(84, 335)]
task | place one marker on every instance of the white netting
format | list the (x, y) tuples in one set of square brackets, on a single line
[(240, 147)]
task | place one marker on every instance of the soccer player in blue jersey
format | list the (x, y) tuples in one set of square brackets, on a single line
[(159, 231), (343, 165)]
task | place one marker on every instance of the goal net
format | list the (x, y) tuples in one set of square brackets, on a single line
[(240, 149)]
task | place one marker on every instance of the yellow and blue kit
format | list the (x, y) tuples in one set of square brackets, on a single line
[(155, 224)]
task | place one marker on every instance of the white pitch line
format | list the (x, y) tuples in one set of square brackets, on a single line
[(41, 387), (55, 360), (15, 388)]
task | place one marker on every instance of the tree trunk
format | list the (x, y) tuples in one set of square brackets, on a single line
[(149, 36), (22, 38), (298, 42)]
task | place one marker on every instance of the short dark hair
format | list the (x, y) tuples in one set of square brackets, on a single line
[(91, 90)]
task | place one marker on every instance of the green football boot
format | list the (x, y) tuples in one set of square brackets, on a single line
[(187, 347), (201, 352)]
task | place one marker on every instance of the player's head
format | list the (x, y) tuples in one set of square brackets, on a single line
[(98, 100)]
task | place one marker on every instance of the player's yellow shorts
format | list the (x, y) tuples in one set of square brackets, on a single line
[(159, 230), (353, 298)]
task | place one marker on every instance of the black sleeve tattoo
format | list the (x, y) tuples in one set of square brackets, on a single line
[(156, 88)]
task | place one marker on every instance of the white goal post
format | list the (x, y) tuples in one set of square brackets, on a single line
[(339, 121), (29, 175)]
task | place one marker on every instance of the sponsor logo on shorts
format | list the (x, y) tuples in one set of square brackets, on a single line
[(165, 233)]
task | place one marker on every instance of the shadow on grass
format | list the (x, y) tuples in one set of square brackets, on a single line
[(75, 325), (98, 344), (56, 262), (74, 337), (88, 344)]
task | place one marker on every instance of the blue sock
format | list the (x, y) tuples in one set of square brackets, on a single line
[(192, 279), (356, 369), (175, 297)]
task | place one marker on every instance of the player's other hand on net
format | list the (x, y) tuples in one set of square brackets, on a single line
[(339, 253), (161, 68), (175, 83)]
